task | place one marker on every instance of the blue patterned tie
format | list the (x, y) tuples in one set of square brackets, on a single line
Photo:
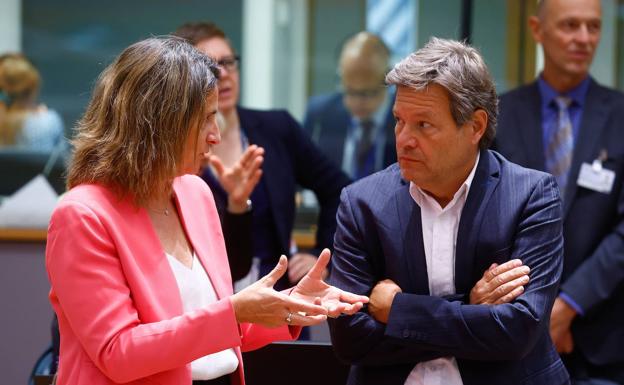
[(363, 161), (559, 151)]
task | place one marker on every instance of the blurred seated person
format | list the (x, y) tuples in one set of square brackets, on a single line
[(355, 127), (24, 123), (135, 254), (290, 159)]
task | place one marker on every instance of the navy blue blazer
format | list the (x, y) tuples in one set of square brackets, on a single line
[(593, 227), (327, 121), (510, 212), (290, 159)]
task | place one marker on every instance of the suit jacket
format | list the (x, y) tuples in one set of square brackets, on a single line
[(327, 121), (510, 212), (290, 159), (593, 227), (117, 300)]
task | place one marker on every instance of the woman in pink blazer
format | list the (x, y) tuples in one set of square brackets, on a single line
[(134, 223)]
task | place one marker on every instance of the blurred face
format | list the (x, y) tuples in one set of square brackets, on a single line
[(229, 83), (433, 152), (364, 91), (198, 147), (569, 32)]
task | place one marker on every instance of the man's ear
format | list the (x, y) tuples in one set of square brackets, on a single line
[(535, 25), (479, 125)]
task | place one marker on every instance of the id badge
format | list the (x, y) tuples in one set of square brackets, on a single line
[(596, 178)]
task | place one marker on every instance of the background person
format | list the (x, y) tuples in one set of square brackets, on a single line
[(567, 124), (135, 254), (355, 126), (25, 123), (419, 235), (290, 159)]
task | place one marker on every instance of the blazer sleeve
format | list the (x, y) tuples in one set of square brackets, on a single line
[(237, 233), (316, 172), (88, 280), (422, 327), (359, 339), (311, 116), (606, 264)]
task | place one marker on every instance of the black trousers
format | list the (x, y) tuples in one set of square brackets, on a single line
[(583, 372), (223, 380)]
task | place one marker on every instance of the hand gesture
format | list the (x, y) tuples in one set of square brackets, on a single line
[(500, 284), (299, 264), (259, 303), (313, 289), (240, 179)]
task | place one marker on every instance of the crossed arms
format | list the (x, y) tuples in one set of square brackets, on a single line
[(422, 327)]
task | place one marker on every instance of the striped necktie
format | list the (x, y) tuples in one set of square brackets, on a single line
[(559, 151)]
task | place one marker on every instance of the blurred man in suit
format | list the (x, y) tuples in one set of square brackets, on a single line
[(418, 236), (567, 124), (355, 127)]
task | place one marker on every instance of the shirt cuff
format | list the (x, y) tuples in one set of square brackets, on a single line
[(567, 299)]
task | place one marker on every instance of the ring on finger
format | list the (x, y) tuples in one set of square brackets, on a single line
[(289, 318)]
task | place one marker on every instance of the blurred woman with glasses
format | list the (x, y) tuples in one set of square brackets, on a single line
[(290, 159)]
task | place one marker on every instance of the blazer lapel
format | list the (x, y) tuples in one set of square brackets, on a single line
[(531, 128), (593, 121), (335, 129), (149, 252), (202, 233), (410, 228), (272, 178), (485, 181)]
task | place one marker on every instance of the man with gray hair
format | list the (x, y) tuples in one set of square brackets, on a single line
[(434, 238)]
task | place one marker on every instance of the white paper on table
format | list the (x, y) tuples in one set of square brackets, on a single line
[(29, 207)]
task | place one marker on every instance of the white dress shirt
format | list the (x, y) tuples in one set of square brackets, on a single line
[(196, 291), (439, 229)]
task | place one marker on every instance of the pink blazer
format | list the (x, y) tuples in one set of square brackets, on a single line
[(118, 305)]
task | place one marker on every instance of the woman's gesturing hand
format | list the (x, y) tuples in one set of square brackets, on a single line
[(260, 304), (313, 289)]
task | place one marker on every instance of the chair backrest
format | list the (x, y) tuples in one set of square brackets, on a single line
[(17, 167), (42, 371)]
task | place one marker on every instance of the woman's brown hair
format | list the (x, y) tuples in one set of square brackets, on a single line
[(144, 107)]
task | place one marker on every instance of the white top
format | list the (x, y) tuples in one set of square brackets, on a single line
[(439, 229), (196, 291), (42, 130)]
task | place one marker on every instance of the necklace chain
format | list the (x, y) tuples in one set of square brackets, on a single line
[(161, 211)]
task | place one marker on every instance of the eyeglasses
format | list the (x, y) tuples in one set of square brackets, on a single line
[(229, 63)]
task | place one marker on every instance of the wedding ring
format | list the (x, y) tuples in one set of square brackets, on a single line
[(289, 318)]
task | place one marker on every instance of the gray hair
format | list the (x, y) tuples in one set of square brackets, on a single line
[(460, 69)]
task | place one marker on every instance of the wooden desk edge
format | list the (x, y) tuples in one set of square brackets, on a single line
[(23, 235), (304, 239)]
